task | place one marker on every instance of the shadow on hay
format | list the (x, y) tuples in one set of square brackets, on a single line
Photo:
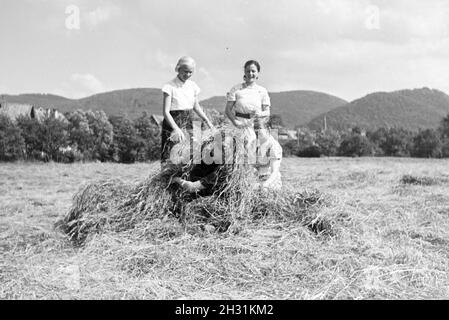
[(155, 209)]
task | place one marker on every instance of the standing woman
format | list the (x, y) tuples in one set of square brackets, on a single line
[(248, 103), (180, 100)]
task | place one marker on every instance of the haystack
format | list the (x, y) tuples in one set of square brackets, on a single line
[(113, 206)]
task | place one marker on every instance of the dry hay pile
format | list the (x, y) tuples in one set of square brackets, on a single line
[(418, 180), (157, 209)]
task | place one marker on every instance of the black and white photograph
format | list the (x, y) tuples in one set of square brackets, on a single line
[(211, 151)]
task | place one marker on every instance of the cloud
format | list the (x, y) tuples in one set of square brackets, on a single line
[(323, 45), (351, 69), (204, 73), (101, 15), (86, 84), (159, 59)]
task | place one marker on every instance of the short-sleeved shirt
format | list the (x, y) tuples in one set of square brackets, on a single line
[(248, 99), (182, 94)]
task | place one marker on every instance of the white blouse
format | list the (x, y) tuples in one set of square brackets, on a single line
[(183, 94), (248, 99)]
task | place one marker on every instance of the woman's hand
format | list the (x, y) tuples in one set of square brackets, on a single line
[(239, 124), (211, 126), (188, 186), (214, 130), (177, 135)]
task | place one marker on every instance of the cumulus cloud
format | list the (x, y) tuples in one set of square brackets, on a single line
[(86, 84), (324, 45), (205, 73), (159, 59)]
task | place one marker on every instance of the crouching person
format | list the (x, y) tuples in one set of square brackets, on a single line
[(206, 179)]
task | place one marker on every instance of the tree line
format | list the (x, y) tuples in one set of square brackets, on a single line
[(84, 136), (94, 136), (355, 142)]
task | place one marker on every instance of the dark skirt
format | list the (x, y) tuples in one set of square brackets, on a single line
[(184, 120)]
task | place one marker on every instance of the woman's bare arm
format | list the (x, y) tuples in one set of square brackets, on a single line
[(169, 118), (230, 114), (201, 113)]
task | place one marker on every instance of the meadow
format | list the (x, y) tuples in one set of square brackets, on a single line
[(391, 239)]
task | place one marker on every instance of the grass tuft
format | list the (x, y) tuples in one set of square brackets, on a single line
[(419, 180)]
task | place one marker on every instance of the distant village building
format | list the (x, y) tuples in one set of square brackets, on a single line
[(15, 110), (42, 113), (285, 134), (358, 130)]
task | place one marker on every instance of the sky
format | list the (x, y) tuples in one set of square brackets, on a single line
[(347, 48)]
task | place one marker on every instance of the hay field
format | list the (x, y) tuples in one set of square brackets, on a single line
[(391, 240)]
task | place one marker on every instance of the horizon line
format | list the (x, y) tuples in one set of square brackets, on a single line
[(214, 96)]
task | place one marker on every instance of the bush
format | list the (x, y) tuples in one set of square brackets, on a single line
[(289, 148), (328, 142), (70, 155), (80, 135), (355, 144), (392, 142), (444, 127), (445, 148), (30, 130), (54, 136), (310, 152), (126, 142), (12, 145), (306, 146), (103, 134), (443, 130), (378, 138), (149, 138), (426, 144)]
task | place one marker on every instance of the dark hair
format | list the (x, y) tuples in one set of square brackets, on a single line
[(254, 62)]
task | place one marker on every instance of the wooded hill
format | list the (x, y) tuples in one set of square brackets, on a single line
[(409, 109), (295, 107), (130, 101)]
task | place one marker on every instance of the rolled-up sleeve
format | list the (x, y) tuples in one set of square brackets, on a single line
[(168, 89), (266, 98), (230, 96)]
